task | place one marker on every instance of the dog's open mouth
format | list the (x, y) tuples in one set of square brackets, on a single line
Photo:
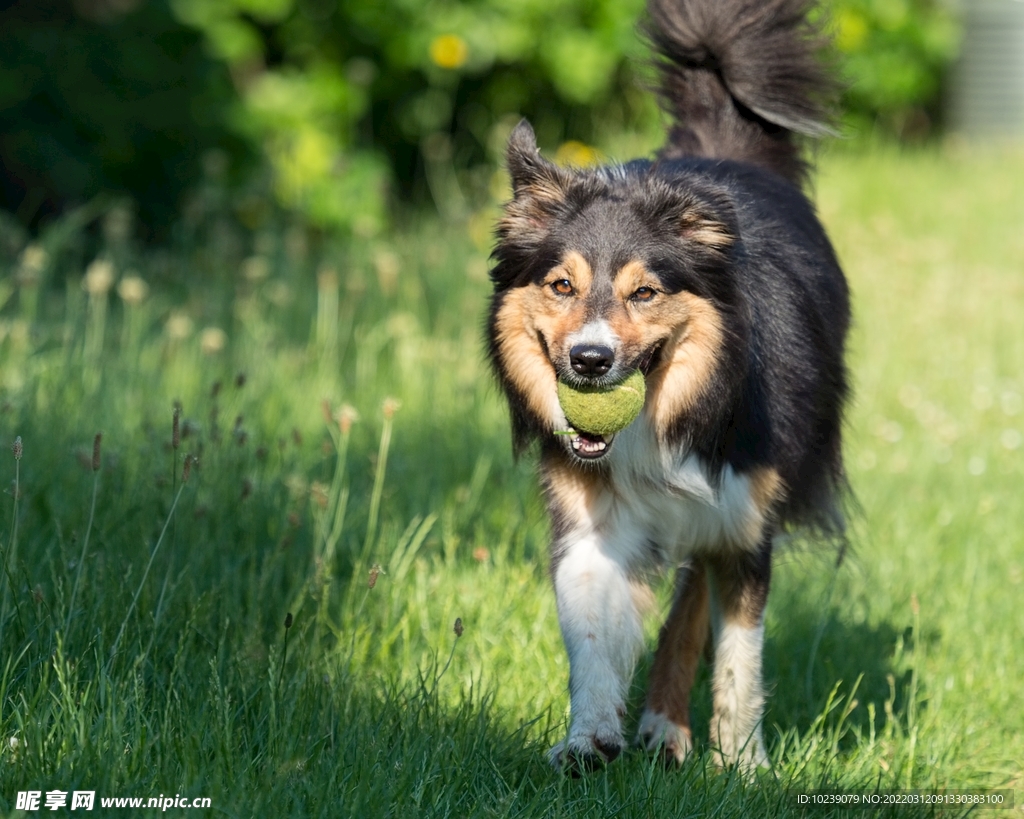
[(588, 446)]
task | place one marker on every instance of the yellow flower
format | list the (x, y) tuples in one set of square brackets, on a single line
[(303, 161), (852, 31), (577, 154), (449, 51)]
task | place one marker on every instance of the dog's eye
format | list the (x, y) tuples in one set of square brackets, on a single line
[(643, 294), (563, 287)]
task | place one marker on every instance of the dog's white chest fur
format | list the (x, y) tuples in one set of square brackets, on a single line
[(668, 500)]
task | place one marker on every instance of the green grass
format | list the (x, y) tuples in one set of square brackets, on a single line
[(900, 668)]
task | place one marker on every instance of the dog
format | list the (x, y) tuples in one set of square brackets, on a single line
[(706, 269)]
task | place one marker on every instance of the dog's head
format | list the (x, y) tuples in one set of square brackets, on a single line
[(601, 272)]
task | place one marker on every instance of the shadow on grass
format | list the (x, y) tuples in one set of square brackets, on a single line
[(401, 751), (812, 657), (813, 650)]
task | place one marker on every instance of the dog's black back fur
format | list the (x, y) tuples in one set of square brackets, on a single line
[(743, 80)]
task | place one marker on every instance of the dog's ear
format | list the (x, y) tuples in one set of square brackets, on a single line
[(712, 224), (539, 193), (538, 186), (705, 216)]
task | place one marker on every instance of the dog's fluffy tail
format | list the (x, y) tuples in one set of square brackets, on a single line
[(742, 79)]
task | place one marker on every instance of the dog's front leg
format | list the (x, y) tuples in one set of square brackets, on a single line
[(601, 624), (739, 594)]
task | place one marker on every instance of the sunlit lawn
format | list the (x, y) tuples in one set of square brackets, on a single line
[(173, 672)]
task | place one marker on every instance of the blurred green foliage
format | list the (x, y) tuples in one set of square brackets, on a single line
[(346, 98), (894, 57), (338, 107), (98, 97)]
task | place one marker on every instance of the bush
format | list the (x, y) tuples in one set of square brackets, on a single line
[(894, 55), (111, 101), (346, 98), (353, 103)]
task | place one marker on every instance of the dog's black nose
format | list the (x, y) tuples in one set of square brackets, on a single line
[(591, 359)]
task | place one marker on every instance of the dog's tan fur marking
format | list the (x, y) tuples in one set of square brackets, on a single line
[(522, 356), (766, 487), (688, 359), (577, 270), (529, 314), (690, 330), (580, 496), (680, 644), (631, 277), (698, 228)]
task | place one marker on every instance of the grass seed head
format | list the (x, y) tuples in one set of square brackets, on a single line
[(212, 340), (176, 426), (347, 416), (374, 574), (178, 326), (458, 627), (256, 268), (17, 448), (214, 426), (318, 494), (99, 277), (327, 278), (132, 290), (33, 260), (96, 445), (288, 620)]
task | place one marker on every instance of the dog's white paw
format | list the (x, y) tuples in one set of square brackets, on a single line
[(657, 733), (579, 754), (747, 758)]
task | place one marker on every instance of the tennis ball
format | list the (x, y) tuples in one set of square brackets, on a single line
[(603, 410)]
